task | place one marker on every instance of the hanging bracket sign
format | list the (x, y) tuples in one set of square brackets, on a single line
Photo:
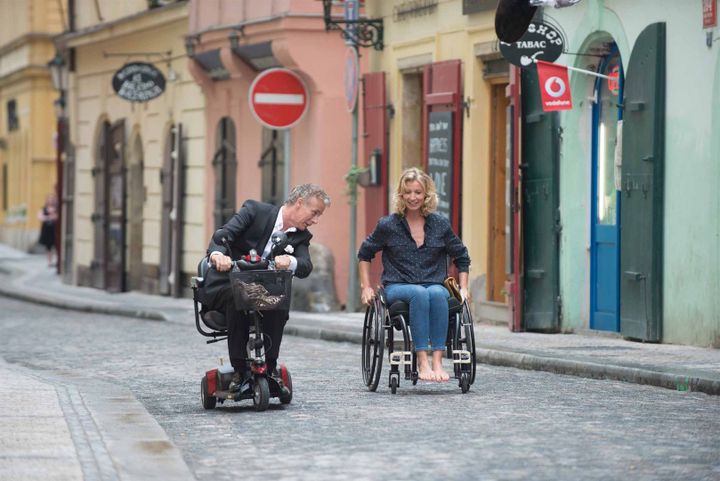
[(138, 82), (542, 41)]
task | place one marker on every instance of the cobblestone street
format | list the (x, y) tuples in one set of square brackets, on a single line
[(513, 424)]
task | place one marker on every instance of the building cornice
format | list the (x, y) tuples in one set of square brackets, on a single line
[(132, 24), (259, 21), (28, 72), (25, 39)]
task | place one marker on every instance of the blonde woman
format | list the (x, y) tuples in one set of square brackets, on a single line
[(415, 243)]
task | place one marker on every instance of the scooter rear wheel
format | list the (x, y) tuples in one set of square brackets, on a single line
[(208, 401), (285, 398)]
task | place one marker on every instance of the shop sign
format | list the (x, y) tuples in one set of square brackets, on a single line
[(554, 86), (613, 84), (138, 82), (541, 42), (440, 158), (709, 13)]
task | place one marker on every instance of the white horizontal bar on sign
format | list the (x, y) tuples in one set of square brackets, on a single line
[(285, 99)]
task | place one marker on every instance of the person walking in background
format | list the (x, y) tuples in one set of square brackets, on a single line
[(416, 243), (48, 218)]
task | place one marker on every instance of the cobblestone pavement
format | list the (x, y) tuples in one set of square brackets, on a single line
[(513, 424)]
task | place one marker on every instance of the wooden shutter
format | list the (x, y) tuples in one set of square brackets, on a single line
[(641, 209), (375, 135)]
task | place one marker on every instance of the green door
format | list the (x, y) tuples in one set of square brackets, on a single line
[(641, 233), (540, 212)]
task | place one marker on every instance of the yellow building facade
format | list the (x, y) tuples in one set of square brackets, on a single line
[(28, 122), (441, 61), (138, 170)]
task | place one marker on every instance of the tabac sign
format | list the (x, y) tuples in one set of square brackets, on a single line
[(138, 82), (542, 41)]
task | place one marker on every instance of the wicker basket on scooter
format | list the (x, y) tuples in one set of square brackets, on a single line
[(261, 290)]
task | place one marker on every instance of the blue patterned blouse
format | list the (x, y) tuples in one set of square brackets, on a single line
[(405, 262)]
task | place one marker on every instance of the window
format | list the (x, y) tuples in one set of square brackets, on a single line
[(13, 122), (272, 165)]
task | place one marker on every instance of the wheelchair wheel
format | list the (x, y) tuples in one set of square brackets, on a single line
[(372, 344), (261, 393), (469, 328), (464, 340), (208, 401)]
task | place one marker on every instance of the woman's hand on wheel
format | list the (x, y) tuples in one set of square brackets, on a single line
[(367, 295)]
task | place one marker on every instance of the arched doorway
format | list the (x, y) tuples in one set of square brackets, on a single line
[(108, 264), (605, 196)]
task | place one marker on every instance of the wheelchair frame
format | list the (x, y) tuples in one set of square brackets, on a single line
[(379, 333)]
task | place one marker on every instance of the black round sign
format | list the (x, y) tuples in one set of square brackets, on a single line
[(138, 82), (540, 42)]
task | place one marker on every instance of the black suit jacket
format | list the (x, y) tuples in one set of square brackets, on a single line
[(251, 228)]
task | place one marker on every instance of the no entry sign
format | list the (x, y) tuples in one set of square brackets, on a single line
[(278, 98)]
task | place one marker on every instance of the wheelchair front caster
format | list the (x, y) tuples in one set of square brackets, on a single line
[(261, 393), (394, 382), (465, 382)]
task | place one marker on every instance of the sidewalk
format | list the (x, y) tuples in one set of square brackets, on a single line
[(91, 439)]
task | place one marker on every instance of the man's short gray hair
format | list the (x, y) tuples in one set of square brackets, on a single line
[(305, 192)]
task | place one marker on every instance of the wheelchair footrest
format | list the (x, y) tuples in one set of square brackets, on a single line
[(461, 357), (400, 358)]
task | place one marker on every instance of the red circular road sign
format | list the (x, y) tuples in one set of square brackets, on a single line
[(278, 98)]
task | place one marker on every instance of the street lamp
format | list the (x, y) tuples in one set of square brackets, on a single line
[(59, 75)]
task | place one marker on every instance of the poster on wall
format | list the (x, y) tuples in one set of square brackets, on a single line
[(440, 161)]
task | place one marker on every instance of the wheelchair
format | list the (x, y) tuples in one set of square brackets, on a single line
[(262, 385), (382, 324)]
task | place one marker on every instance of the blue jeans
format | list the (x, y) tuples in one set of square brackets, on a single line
[(428, 312)]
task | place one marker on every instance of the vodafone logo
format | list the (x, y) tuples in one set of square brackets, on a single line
[(555, 87)]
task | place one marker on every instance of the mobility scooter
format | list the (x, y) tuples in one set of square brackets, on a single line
[(256, 287)]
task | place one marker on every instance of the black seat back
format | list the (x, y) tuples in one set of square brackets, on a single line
[(213, 319)]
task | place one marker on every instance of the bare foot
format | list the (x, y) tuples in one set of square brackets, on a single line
[(426, 374), (424, 371), (440, 374)]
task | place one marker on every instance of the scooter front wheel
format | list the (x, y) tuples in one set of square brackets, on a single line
[(261, 393)]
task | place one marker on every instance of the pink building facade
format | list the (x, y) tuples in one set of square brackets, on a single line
[(230, 43)]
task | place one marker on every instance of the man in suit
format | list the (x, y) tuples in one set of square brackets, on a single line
[(251, 228)]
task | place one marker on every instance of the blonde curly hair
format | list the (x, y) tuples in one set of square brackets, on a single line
[(431, 197)]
